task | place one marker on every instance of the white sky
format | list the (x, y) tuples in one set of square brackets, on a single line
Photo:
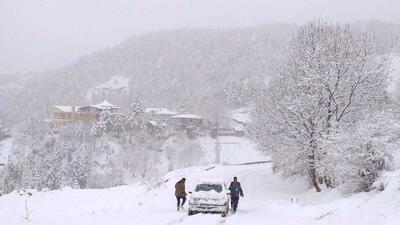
[(43, 34)]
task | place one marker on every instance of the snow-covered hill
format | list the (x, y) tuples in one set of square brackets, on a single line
[(164, 69)]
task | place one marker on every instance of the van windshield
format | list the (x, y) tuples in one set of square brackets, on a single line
[(209, 187)]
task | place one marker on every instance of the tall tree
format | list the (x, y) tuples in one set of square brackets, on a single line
[(135, 118), (102, 126), (330, 79)]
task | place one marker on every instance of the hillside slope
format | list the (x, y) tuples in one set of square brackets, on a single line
[(170, 69)]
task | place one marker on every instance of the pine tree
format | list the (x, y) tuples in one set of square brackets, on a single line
[(103, 126), (135, 118), (118, 124), (80, 166)]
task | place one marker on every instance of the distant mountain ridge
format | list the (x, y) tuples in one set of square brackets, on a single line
[(173, 69), (165, 69)]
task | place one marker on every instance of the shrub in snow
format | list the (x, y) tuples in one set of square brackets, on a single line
[(358, 155)]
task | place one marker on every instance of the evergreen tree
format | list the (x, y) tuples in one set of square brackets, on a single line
[(135, 119), (80, 167)]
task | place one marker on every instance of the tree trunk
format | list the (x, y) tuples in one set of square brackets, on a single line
[(312, 173), (101, 141), (94, 143), (130, 136)]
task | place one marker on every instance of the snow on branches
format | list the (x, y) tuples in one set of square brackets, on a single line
[(331, 79)]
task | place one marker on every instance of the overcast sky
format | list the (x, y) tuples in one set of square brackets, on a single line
[(44, 34)]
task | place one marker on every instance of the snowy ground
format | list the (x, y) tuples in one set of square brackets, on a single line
[(5, 149), (234, 150), (267, 201)]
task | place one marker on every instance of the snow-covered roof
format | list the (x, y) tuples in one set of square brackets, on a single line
[(159, 111), (188, 116), (153, 122), (156, 123), (105, 105), (66, 108)]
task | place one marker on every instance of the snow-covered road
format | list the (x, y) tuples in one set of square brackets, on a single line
[(268, 200)]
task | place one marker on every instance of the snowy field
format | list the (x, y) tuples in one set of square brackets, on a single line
[(268, 200)]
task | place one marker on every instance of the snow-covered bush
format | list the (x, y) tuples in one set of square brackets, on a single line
[(359, 154)]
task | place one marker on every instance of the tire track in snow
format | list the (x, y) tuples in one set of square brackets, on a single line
[(177, 220), (249, 176)]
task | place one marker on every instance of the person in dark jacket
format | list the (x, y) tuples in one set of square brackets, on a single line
[(236, 192), (180, 193)]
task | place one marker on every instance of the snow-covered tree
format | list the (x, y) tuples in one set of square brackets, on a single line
[(102, 126), (118, 124), (160, 130), (12, 177), (330, 80), (80, 166), (135, 119)]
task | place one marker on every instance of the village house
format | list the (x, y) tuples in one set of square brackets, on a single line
[(90, 114), (63, 115), (185, 121), (156, 118), (158, 114)]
